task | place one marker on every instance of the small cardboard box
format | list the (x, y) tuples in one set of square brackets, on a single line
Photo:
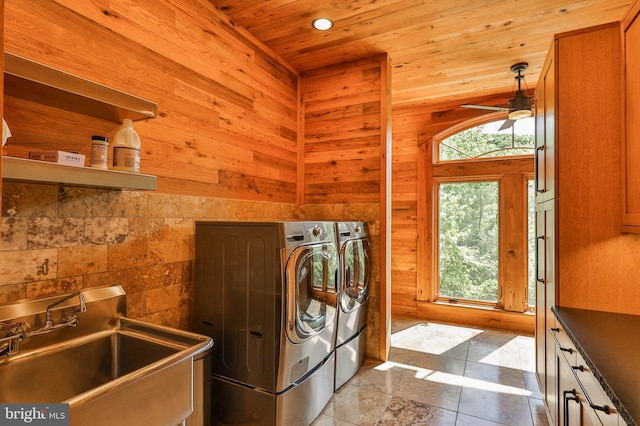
[(60, 157)]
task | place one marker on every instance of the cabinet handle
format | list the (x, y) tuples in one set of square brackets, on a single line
[(566, 404), (578, 367), (570, 350), (603, 408), (555, 329), (537, 171), (538, 239)]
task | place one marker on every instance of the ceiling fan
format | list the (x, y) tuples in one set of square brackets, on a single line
[(519, 107)]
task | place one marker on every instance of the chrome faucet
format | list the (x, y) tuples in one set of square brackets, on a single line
[(11, 334), (69, 321)]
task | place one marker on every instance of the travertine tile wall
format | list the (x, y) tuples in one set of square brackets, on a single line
[(57, 239)]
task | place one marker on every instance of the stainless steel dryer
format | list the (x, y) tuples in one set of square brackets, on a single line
[(353, 299), (267, 294)]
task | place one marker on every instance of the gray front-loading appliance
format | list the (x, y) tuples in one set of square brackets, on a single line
[(353, 299), (266, 292)]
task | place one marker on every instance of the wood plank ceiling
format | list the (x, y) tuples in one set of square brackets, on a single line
[(442, 51)]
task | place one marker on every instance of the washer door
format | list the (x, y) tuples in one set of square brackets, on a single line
[(311, 276), (355, 274)]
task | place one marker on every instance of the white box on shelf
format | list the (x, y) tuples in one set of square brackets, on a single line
[(60, 157)]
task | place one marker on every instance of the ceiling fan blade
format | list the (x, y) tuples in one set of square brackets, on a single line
[(507, 123), (489, 108)]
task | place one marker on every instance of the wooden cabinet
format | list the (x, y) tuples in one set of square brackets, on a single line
[(573, 165), (581, 401), (545, 299), (574, 409), (631, 108), (545, 164), (545, 190)]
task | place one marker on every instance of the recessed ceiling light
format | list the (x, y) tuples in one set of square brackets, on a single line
[(322, 24)]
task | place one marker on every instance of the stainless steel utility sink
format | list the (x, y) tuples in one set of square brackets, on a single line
[(134, 371)]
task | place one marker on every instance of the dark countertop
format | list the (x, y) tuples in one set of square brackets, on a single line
[(610, 345)]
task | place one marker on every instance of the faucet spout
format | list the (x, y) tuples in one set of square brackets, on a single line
[(82, 308)]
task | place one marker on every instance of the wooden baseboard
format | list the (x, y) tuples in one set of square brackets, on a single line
[(477, 316)]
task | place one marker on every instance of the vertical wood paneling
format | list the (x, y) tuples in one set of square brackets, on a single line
[(597, 264), (228, 120)]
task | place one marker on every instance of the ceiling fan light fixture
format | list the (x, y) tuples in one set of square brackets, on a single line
[(322, 24), (519, 106), (517, 115)]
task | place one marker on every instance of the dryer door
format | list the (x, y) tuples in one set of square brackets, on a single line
[(311, 276), (355, 274)]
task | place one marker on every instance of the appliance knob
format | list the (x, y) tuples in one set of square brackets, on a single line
[(358, 229), (317, 231)]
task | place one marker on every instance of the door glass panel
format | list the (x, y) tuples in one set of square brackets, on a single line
[(531, 238), (468, 241), (316, 269), (356, 274)]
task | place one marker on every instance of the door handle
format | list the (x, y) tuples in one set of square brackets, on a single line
[(537, 171), (538, 239), (567, 398)]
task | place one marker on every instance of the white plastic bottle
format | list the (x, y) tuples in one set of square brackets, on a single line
[(126, 148)]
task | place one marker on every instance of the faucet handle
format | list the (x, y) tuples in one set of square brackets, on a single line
[(83, 303)]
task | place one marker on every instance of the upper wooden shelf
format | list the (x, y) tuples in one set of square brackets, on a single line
[(26, 79), (22, 169)]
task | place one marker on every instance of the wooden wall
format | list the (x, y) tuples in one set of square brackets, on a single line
[(342, 129), (413, 222), (227, 123), (228, 144), (346, 122), (413, 129)]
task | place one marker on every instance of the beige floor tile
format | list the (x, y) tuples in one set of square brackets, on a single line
[(531, 382), (436, 339), (354, 404), (402, 412), (324, 420), (496, 406), (538, 412), (440, 374), (491, 374), (465, 420), (383, 377), (439, 363), (433, 388), (500, 356)]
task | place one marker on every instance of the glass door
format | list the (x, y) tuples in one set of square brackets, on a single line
[(355, 278), (311, 279)]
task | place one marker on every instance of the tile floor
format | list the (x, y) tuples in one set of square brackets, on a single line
[(445, 375)]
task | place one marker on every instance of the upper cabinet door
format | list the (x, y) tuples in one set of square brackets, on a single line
[(545, 132), (631, 139)]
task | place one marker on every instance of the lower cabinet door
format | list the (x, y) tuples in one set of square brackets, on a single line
[(573, 407)]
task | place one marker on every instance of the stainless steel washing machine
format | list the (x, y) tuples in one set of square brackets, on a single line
[(267, 294), (353, 299)]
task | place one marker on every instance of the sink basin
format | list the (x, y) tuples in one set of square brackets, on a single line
[(134, 371)]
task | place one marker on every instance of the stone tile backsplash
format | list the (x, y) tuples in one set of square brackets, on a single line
[(58, 239)]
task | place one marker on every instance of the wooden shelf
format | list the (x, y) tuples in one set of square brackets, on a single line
[(26, 79), (23, 169)]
